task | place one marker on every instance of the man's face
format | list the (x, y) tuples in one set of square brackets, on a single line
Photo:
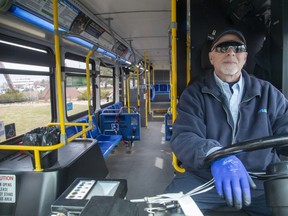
[(228, 65)]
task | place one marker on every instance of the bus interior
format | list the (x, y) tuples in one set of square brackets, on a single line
[(89, 88)]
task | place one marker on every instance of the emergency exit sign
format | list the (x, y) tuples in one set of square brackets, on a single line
[(7, 188)]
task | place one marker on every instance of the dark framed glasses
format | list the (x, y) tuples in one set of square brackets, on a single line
[(237, 47)]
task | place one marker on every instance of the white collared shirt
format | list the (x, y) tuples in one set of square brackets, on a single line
[(234, 98)]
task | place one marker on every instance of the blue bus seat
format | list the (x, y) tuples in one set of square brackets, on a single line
[(116, 106), (106, 142), (161, 87), (156, 87), (79, 128), (168, 126), (70, 131), (111, 109), (126, 124), (160, 92), (152, 93)]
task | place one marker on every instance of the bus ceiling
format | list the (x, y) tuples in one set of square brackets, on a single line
[(122, 28), (125, 33), (133, 31)]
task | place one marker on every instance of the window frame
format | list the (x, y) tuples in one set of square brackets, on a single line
[(113, 81), (70, 71), (18, 55)]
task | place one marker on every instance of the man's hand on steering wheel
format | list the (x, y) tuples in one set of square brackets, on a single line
[(232, 181)]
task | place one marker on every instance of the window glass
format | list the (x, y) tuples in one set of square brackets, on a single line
[(106, 85), (76, 88), (24, 67), (76, 94), (76, 64), (24, 101)]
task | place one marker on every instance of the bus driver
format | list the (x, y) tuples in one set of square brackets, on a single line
[(227, 106)]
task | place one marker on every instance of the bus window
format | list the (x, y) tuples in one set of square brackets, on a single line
[(76, 88), (106, 85), (24, 99), (26, 102)]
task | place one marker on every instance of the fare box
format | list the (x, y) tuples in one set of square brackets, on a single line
[(7, 188)]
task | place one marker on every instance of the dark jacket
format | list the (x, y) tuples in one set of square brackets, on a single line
[(204, 121)]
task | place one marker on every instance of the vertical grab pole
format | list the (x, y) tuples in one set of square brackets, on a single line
[(138, 88), (37, 161), (153, 76), (88, 83), (128, 92), (171, 90), (174, 59), (128, 87), (174, 75), (188, 51), (146, 95), (58, 73), (148, 87), (88, 87)]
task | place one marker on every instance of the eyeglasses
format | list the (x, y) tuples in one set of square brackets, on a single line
[(235, 46)]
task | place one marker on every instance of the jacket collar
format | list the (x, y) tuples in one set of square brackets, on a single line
[(252, 86)]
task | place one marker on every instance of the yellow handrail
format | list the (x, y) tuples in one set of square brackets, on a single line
[(146, 95), (174, 75), (153, 76), (128, 87), (128, 93), (89, 126), (138, 87), (174, 60), (148, 86), (88, 83), (188, 51), (58, 72), (62, 124), (36, 149)]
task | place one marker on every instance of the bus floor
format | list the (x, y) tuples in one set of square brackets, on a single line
[(147, 168)]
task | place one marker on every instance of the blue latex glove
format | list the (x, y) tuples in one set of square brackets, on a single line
[(232, 181)]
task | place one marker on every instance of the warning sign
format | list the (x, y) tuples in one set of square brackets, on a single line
[(2, 131), (7, 188), (10, 130)]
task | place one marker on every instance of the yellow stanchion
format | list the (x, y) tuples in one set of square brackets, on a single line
[(138, 87), (148, 87), (58, 72), (85, 126), (146, 101), (188, 50), (174, 75)]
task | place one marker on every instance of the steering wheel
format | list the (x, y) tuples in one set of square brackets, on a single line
[(250, 145)]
